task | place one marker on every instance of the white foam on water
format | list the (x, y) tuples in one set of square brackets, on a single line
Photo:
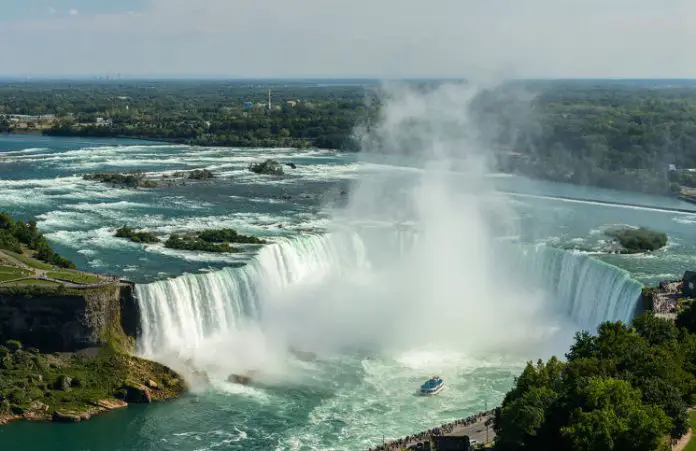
[(94, 239), (23, 151)]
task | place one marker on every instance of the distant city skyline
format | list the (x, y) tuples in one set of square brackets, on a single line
[(472, 39)]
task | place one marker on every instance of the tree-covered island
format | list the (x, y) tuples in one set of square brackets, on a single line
[(209, 240), (638, 240)]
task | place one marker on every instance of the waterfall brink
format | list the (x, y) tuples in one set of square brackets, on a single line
[(585, 289), (180, 313)]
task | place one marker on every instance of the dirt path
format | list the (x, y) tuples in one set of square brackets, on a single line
[(681, 444)]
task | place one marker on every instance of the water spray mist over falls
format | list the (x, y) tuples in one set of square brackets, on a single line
[(433, 276)]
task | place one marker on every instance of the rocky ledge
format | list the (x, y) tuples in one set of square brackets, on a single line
[(66, 354), (74, 387)]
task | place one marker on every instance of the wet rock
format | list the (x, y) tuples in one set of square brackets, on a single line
[(268, 167), (70, 417), (137, 393), (37, 411), (238, 379), (111, 404), (152, 384)]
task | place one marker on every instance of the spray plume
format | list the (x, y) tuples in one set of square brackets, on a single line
[(443, 284), (411, 264)]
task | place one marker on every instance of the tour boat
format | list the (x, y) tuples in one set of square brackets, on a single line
[(432, 386)]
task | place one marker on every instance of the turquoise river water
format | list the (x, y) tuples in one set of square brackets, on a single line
[(385, 292)]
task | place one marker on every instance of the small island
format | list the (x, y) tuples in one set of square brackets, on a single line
[(227, 236), (129, 180), (139, 179), (67, 336), (193, 243), (268, 167), (201, 174), (136, 236), (209, 240), (634, 241)]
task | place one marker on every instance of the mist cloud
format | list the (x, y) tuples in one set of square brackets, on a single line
[(387, 38), (443, 288)]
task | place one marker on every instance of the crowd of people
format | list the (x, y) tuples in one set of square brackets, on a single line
[(445, 429), (666, 300)]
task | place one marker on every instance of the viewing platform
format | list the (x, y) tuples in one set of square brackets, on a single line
[(666, 299)]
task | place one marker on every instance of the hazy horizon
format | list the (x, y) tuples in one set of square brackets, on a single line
[(498, 39), (328, 78)]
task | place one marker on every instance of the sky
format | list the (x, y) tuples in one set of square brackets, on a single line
[(349, 38)]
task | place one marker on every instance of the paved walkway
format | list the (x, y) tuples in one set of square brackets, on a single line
[(681, 444), (476, 430)]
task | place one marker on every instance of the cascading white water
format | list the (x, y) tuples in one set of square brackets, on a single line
[(446, 284), (180, 313), (585, 289)]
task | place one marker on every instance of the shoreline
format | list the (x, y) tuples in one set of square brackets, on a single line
[(38, 132), (41, 415), (143, 382)]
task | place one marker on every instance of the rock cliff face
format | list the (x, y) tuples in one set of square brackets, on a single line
[(63, 320), (65, 354)]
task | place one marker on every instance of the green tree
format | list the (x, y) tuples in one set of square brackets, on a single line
[(610, 416)]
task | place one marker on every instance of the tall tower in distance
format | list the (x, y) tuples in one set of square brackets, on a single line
[(269, 99)]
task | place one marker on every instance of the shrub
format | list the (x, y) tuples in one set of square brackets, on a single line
[(13, 345)]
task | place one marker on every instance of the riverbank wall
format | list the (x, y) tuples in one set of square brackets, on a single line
[(60, 319)]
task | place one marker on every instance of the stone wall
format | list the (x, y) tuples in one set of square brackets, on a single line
[(66, 320)]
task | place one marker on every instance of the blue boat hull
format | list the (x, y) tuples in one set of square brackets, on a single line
[(433, 391)]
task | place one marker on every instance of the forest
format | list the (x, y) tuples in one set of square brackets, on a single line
[(638, 136), (611, 135), (208, 113), (625, 388)]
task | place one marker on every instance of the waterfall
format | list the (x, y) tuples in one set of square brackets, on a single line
[(181, 312), (585, 289)]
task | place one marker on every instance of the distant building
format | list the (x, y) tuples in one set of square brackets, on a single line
[(672, 167), (248, 104), (689, 284), (104, 122)]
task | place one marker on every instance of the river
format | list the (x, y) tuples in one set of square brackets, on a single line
[(383, 302)]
